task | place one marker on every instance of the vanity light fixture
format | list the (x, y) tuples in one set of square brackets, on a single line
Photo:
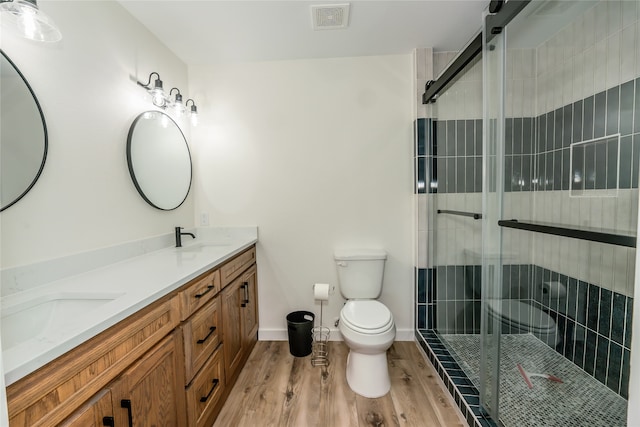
[(158, 97), (31, 21), (162, 100), (177, 104), (194, 112)]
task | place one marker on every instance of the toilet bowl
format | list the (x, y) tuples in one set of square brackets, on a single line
[(366, 324), (517, 317), (368, 329)]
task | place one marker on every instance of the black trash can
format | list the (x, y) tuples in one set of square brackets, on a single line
[(299, 325)]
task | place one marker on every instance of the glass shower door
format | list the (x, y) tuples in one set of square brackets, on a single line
[(493, 51), (562, 155)]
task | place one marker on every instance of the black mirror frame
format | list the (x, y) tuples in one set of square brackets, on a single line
[(130, 161), (44, 128)]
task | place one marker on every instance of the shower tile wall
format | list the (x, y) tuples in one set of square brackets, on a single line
[(577, 86), (593, 323), (587, 88)]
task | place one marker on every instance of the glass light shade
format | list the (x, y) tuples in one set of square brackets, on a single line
[(194, 115), (31, 22), (158, 97), (178, 107)]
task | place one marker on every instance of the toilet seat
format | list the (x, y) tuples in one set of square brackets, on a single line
[(521, 315), (366, 316)]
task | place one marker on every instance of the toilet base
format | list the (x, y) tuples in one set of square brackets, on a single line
[(368, 374)]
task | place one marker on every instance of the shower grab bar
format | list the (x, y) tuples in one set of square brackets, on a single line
[(576, 233), (470, 214)]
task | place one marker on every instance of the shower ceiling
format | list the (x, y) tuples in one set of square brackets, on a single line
[(208, 31)]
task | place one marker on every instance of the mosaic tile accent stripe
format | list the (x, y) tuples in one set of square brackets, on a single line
[(448, 153), (461, 388), (606, 113)]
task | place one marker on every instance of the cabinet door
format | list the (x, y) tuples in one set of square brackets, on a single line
[(249, 309), (232, 337), (97, 413), (150, 392)]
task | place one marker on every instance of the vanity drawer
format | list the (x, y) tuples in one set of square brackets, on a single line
[(237, 265), (199, 292), (201, 337), (205, 391)]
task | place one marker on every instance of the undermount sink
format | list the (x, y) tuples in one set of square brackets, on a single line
[(47, 313), (200, 246)]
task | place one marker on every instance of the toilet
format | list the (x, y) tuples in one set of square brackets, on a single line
[(515, 316), (366, 324)]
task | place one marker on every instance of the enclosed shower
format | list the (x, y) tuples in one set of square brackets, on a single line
[(527, 166)]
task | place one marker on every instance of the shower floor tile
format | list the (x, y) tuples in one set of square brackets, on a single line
[(579, 401)]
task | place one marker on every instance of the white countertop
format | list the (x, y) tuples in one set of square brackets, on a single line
[(134, 283)]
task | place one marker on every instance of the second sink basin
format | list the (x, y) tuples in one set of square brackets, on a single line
[(36, 317), (200, 246)]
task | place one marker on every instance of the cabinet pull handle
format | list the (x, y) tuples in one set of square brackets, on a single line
[(108, 421), (205, 398), (245, 288), (202, 294), (211, 331), (126, 403)]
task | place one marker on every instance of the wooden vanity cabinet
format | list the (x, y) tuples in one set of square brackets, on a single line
[(249, 310), (171, 364), (149, 393), (98, 412), (219, 335), (232, 336), (51, 394), (206, 392), (201, 333), (240, 324)]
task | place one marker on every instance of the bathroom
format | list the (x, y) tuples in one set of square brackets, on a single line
[(259, 127)]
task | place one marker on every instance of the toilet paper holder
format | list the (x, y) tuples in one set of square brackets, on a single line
[(554, 289), (320, 334)]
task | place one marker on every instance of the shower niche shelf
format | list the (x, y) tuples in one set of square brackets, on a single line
[(573, 232)]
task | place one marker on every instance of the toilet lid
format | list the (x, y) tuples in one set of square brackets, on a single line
[(519, 313), (367, 314)]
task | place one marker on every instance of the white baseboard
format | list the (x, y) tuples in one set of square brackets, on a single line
[(282, 335)]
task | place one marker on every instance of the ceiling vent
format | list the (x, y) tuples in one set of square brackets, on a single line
[(330, 16)]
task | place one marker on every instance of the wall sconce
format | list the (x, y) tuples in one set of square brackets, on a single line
[(194, 112), (31, 22), (158, 97), (177, 104)]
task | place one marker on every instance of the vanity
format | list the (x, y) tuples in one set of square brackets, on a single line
[(163, 347)]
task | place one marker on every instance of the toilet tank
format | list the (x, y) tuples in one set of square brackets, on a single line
[(360, 272)]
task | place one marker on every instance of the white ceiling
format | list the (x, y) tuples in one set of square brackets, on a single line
[(215, 31)]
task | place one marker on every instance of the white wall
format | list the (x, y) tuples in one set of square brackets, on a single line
[(317, 153), (85, 198)]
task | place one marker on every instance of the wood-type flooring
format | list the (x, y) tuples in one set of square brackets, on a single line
[(277, 389)]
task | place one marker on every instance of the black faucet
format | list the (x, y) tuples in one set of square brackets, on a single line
[(179, 235)]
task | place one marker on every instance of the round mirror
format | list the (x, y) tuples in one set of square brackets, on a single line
[(159, 160), (23, 135)]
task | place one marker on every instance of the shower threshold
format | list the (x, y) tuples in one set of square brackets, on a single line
[(579, 401)]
